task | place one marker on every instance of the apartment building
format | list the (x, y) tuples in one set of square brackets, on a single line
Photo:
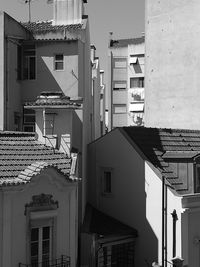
[(46, 87), (126, 82)]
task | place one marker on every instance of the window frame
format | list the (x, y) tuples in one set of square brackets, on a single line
[(104, 183), (59, 61), (40, 225), (28, 124), (41, 212)]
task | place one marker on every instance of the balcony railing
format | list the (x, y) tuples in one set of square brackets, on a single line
[(64, 261)]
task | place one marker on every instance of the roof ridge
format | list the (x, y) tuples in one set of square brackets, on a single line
[(163, 129)]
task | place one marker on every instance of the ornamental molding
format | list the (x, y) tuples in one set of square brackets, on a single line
[(41, 202)]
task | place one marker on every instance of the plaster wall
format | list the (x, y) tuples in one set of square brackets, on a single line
[(85, 87), (49, 79), (136, 194), (15, 224), (67, 129), (172, 65), (191, 236), (10, 88)]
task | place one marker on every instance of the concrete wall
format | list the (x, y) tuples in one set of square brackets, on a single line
[(15, 223), (48, 79), (136, 198), (172, 64)]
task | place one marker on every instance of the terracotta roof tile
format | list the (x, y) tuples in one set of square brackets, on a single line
[(45, 26), (157, 143), (22, 156), (54, 99)]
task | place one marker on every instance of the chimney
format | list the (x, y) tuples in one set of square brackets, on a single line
[(66, 12)]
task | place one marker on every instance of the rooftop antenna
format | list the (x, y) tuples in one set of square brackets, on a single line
[(29, 8)]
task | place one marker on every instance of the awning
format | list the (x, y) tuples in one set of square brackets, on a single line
[(133, 60), (136, 107)]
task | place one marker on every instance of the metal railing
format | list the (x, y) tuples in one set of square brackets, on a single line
[(63, 261)]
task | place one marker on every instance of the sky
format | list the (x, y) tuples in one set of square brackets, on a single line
[(125, 18)]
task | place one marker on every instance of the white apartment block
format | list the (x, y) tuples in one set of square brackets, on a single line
[(126, 82)]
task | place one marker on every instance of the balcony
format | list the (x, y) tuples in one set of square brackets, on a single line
[(64, 261)]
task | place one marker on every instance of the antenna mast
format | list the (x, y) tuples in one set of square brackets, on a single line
[(29, 9)]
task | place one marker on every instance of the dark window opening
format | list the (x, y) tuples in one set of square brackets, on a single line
[(107, 182), (29, 120), (137, 82), (59, 62), (29, 69)]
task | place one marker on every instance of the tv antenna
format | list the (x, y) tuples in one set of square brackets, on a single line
[(29, 8)]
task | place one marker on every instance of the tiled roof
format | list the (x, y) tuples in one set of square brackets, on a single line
[(126, 42), (99, 223), (158, 145), (46, 26), (22, 156), (54, 99)]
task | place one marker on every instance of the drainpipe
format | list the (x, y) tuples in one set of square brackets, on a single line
[(175, 218), (165, 212), (164, 223), (163, 220)]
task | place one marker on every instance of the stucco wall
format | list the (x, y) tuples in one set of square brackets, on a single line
[(85, 87), (136, 197), (15, 247), (172, 64), (11, 34), (48, 79)]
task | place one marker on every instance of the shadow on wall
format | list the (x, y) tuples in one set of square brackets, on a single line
[(128, 202), (47, 79)]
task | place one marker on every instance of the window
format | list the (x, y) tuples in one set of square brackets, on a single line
[(121, 254), (29, 62), (197, 179), (136, 82), (59, 62), (29, 120), (17, 120), (119, 85), (120, 63), (106, 181), (119, 108), (41, 214), (40, 242)]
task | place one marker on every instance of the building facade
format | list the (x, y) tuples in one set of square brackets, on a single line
[(126, 82), (148, 179), (39, 204), (172, 65)]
